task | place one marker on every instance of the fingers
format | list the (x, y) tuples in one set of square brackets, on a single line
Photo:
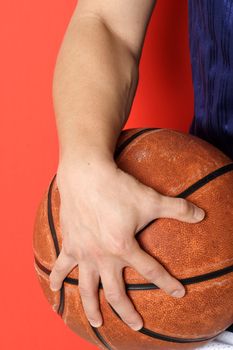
[(63, 265), (154, 272), (88, 288), (114, 290), (180, 209)]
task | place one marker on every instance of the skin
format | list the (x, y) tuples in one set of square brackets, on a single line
[(95, 80)]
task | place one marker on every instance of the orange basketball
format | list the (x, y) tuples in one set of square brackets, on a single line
[(200, 255)]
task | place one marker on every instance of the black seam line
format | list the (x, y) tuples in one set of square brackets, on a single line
[(50, 218), (163, 337), (168, 338), (62, 301), (151, 286), (130, 139), (56, 245), (49, 207), (53, 231), (55, 240), (143, 330), (100, 337), (183, 194), (197, 185), (206, 179)]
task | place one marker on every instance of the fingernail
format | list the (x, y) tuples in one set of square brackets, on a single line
[(199, 214), (54, 289), (178, 293), (95, 324), (136, 327)]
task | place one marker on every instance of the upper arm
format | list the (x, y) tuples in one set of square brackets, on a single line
[(128, 19)]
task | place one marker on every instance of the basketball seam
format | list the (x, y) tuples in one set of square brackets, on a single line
[(200, 183)]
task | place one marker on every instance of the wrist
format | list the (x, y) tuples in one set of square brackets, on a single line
[(85, 163), (87, 157)]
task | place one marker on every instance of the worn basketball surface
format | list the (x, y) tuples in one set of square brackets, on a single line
[(199, 255)]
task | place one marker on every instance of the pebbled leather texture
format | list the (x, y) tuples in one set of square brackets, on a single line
[(169, 161)]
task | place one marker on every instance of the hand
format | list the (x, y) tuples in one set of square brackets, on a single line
[(95, 200)]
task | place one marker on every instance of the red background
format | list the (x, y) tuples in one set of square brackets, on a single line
[(30, 36)]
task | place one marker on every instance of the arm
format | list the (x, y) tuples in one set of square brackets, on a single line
[(95, 80), (96, 75)]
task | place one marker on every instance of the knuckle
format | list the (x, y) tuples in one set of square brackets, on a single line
[(120, 246), (69, 251), (161, 202), (154, 273), (155, 196), (69, 248), (150, 273), (151, 199), (183, 207), (85, 292), (58, 269), (92, 251), (83, 255), (72, 250), (90, 254), (113, 297), (98, 254)]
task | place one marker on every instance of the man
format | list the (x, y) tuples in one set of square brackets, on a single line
[(95, 80)]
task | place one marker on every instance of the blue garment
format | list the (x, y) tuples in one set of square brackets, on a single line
[(211, 49), (211, 53)]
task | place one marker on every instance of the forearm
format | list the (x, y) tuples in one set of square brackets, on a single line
[(94, 84)]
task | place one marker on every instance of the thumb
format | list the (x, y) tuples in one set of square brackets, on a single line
[(180, 209)]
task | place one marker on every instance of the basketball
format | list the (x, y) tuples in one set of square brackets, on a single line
[(200, 255)]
